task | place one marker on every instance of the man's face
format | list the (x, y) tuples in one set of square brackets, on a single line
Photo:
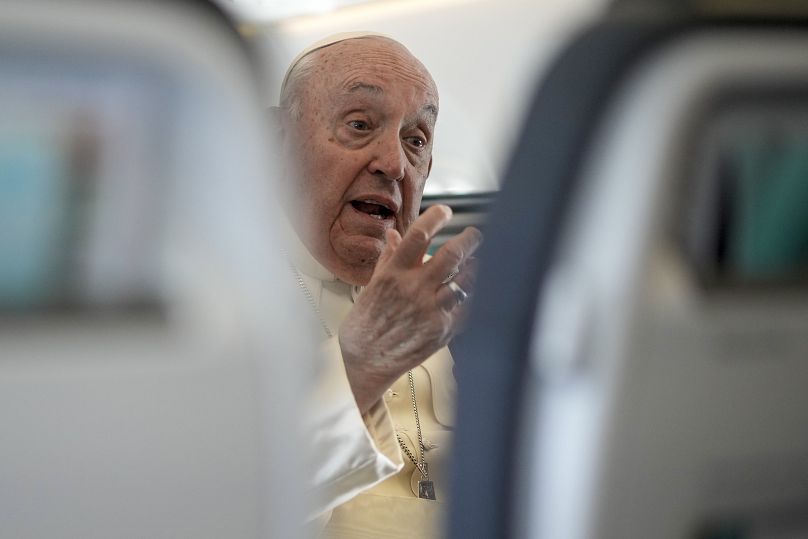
[(363, 150)]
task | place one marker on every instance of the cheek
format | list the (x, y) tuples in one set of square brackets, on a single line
[(412, 193), (305, 189), (408, 220), (320, 199), (409, 213)]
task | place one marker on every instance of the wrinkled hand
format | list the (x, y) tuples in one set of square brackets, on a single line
[(406, 313)]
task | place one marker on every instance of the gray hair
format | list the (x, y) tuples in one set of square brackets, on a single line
[(305, 62), (291, 94)]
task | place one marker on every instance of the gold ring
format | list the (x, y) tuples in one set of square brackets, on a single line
[(459, 294)]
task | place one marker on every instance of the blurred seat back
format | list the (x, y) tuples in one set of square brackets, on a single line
[(148, 368), (635, 364)]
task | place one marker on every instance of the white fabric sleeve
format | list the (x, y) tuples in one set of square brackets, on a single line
[(351, 452)]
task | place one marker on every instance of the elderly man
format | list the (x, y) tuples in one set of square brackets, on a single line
[(357, 117)]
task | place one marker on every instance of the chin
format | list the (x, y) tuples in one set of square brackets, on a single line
[(356, 265), (356, 273)]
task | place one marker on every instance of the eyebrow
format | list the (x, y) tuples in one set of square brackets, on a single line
[(375, 90)]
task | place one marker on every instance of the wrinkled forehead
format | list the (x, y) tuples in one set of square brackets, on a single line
[(372, 64)]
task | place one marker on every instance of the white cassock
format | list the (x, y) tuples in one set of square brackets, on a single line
[(363, 484)]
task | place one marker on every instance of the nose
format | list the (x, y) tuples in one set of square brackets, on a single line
[(388, 159)]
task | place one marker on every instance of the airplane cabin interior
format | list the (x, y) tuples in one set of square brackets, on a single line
[(635, 359)]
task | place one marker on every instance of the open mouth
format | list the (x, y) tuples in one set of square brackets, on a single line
[(373, 209)]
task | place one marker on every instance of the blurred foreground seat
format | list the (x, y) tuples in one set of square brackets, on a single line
[(148, 366), (635, 364)]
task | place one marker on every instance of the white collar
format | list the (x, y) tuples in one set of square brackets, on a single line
[(302, 258)]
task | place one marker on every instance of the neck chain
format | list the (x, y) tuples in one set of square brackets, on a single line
[(426, 488), (310, 299)]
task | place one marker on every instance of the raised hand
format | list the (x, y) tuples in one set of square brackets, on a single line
[(407, 311)]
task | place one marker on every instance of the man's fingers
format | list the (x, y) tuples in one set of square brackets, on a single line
[(393, 240), (415, 242), (452, 296), (467, 277), (453, 253), (447, 299)]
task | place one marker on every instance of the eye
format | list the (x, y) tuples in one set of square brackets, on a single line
[(418, 142), (359, 125)]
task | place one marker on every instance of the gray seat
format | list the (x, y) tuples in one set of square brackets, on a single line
[(150, 364), (622, 376)]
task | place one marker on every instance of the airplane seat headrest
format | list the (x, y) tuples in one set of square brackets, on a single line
[(149, 351), (599, 87)]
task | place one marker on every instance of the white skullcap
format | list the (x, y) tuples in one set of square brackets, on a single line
[(325, 42)]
